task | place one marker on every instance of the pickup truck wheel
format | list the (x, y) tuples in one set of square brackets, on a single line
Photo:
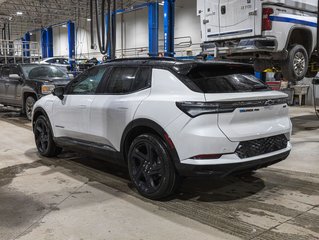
[(151, 168), (28, 106), (296, 66), (44, 138)]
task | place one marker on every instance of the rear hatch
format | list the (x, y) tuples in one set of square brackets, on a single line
[(230, 19), (248, 109)]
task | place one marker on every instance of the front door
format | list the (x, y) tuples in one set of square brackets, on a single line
[(71, 116)]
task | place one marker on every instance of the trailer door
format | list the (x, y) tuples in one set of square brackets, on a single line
[(208, 10), (237, 18)]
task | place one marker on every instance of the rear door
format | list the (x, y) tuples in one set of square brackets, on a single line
[(4, 82), (237, 18), (114, 108)]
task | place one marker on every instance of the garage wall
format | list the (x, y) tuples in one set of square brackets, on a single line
[(135, 37)]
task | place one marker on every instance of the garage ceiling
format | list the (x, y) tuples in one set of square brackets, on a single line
[(37, 13)]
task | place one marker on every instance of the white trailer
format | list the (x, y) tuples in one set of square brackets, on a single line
[(272, 33)]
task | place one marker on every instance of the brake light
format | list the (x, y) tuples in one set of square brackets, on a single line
[(267, 23)]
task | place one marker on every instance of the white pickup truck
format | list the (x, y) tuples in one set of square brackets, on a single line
[(272, 33)]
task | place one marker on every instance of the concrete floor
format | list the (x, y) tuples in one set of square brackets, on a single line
[(76, 197)]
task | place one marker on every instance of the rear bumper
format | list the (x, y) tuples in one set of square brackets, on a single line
[(225, 168), (249, 46)]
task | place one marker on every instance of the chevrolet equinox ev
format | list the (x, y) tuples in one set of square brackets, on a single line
[(167, 119)]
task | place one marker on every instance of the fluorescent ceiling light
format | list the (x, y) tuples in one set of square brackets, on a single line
[(161, 3), (19, 13), (88, 19), (64, 25), (30, 33)]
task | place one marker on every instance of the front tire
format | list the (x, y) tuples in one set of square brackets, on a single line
[(28, 106), (150, 167), (296, 66), (44, 138)]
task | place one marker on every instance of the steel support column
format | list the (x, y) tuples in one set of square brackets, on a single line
[(153, 24), (71, 42), (50, 41), (44, 46), (169, 24)]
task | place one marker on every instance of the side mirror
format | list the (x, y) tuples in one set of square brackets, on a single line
[(15, 77), (59, 92)]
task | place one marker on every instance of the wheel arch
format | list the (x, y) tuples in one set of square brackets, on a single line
[(38, 111), (25, 95), (140, 126), (302, 36)]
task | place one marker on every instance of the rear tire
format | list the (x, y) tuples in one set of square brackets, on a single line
[(44, 138), (296, 66), (28, 106), (151, 168)]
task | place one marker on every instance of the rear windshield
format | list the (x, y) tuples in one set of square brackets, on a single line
[(226, 80)]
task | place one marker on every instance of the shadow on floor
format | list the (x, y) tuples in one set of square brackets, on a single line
[(305, 123)]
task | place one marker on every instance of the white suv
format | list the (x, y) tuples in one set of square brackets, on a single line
[(167, 119)]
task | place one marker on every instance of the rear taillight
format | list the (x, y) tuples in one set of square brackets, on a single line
[(194, 109), (267, 23)]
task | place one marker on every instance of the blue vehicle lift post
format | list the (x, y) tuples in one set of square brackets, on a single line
[(49, 39), (106, 30), (44, 46), (153, 26), (71, 43), (169, 24)]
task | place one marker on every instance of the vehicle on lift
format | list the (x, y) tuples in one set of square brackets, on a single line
[(167, 118), (273, 33), (21, 85)]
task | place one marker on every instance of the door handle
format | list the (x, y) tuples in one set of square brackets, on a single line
[(223, 9)]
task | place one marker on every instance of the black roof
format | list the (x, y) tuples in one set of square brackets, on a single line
[(180, 66)]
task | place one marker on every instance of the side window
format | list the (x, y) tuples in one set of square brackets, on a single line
[(143, 79), (128, 79), (88, 82), (51, 61)]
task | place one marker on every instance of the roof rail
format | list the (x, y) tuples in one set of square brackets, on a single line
[(143, 59)]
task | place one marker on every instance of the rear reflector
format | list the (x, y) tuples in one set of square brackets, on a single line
[(207, 156)]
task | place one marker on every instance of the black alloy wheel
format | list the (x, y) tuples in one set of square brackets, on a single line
[(44, 139), (151, 168)]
